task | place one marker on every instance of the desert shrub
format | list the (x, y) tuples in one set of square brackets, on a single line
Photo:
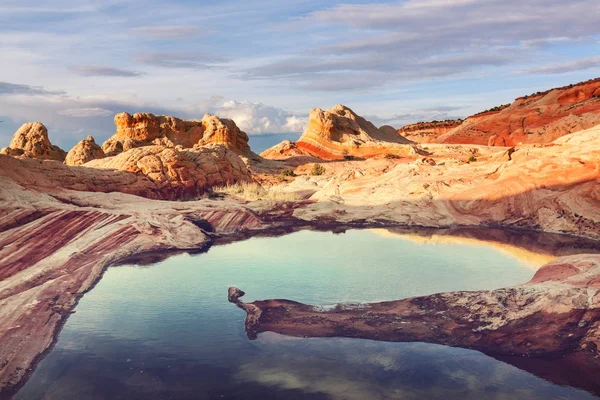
[(472, 159), (252, 191), (317, 170), (287, 172)]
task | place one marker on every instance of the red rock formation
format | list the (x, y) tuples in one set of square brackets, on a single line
[(338, 133), (428, 132), (144, 129), (31, 141), (84, 151), (539, 118)]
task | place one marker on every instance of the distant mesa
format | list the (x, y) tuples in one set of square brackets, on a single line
[(31, 141), (338, 133), (143, 129)]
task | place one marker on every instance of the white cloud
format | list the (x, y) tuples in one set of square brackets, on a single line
[(562, 68), (166, 32), (86, 112), (97, 70), (416, 40), (257, 118)]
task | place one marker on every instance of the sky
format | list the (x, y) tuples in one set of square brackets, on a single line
[(72, 65)]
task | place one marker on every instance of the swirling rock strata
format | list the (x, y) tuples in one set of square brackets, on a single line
[(337, 133), (538, 118)]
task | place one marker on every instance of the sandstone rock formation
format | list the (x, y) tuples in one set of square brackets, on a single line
[(154, 172), (143, 129), (336, 133), (84, 151), (554, 188), (31, 141), (180, 174), (539, 118), (428, 132)]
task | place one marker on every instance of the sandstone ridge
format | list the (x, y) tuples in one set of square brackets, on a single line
[(536, 119)]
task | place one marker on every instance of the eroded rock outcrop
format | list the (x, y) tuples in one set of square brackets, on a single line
[(84, 151), (154, 172), (31, 141), (538, 118), (143, 129), (337, 133), (180, 173)]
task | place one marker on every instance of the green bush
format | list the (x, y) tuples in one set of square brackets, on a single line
[(472, 159), (317, 170)]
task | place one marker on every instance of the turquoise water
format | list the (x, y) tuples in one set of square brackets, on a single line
[(167, 331)]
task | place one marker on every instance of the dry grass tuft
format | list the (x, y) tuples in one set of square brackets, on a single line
[(252, 191)]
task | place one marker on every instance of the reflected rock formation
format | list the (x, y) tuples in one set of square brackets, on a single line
[(555, 316)]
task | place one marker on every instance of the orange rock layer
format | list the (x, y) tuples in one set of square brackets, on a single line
[(536, 119), (338, 133)]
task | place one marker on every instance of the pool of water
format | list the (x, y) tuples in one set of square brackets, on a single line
[(166, 331)]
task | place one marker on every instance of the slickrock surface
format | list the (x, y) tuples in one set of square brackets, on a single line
[(556, 314), (428, 132), (143, 129), (554, 188), (53, 248), (84, 151), (335, 133), (539, 118), (31, 141)]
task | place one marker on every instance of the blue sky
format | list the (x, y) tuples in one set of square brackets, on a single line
[(73, 64)]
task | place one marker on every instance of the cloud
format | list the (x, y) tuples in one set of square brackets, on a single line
[(164, 59), (418, 40), (14, 88), (96, 70), (577, 65), (438, 113), (86, 112), (256, 118), (167, 32)]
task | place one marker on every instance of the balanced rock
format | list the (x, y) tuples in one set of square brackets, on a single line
[(31, 141), (143, 129), (84, 151)]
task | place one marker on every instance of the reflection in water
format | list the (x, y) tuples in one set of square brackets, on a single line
[(168, 331)]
